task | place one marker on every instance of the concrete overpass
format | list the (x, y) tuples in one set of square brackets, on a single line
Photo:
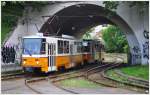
[(73, 18)]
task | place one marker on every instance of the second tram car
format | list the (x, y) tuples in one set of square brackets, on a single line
[(91, 51), (48, 54)]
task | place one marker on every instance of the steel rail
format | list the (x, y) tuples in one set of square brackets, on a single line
[(27, 84), (11, 76), (125, 83)]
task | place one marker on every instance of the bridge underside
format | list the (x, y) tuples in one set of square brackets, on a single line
[(75, 20)]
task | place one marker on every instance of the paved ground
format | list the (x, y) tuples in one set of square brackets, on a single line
[(15, 87), (18, 87), (46, 87)]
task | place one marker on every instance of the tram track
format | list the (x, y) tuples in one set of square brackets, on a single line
[(100, 71), (12, 76), (68, 75), (54, 78), (86, 73), (50, 79), (22, 74), (103, 79), (63, 76), (129, 81), (31, 88), (79, 73), (133, 79)]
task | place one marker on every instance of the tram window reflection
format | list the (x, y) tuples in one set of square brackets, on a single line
[(60, 46), (66, 46), (43, 46)]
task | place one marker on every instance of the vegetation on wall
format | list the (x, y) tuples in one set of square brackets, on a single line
[(113, 5), (9, 17), (115, 40), (12, 11)]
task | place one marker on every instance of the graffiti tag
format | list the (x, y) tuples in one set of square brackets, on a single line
[(146, 34), (146, 50)]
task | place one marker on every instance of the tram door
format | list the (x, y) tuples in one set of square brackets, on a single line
[(71, 54), (51, 56)]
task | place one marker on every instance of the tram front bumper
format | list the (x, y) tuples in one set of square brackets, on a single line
[(34, 62)]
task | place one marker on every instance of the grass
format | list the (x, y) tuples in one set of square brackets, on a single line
[(112, 74), (78, 82), (137, 71)]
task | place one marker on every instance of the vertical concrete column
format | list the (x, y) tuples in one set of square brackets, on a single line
[(145, 37)]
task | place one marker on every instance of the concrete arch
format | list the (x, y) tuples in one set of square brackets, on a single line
[(128, 19), (67, 20)]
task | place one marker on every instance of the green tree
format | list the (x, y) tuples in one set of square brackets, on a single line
[(115, 40)]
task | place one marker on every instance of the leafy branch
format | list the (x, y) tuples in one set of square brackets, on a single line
[(113, 5)]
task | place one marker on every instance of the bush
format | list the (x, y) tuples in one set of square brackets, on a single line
[(115, 40)]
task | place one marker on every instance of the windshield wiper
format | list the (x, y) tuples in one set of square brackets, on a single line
[(29, 52)]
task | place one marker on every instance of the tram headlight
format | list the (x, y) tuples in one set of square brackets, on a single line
[(24, 62), (37, 62)]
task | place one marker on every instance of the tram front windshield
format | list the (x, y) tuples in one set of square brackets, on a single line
[(32, 46)]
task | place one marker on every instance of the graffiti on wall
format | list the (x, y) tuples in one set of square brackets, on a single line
[(11, 53), (146, 34), (136, 49), (136, 55), (8, 54), (146, 50)]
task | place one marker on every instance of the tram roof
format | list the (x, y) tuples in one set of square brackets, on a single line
[(58, 37)]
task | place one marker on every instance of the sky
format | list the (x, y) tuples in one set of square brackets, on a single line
[(96, 30)]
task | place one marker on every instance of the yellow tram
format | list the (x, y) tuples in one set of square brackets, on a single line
[(54, 53)]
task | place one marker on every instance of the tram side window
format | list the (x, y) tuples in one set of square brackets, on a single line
[(96, 47), (75, 47), (60, 47), (43, 47), (66, 46), (79, 46), (99, 47), (86, 48)]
